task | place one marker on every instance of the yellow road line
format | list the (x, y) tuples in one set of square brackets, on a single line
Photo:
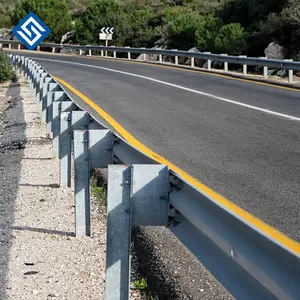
[(180, 68), (259, 224)]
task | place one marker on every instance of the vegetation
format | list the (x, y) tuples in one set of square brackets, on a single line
[(227, 26), (6, 68), (141, 284), (98, 188)]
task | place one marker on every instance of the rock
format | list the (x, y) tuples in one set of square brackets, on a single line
[(272, 72), (149, 57), (29, 264), (274, 51), (282, 73)]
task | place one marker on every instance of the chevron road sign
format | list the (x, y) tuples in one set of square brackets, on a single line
[(106, 33)]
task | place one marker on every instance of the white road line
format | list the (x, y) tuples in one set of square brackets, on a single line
[(271, 112)]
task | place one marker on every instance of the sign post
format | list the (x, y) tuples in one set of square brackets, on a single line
[(106, 34)]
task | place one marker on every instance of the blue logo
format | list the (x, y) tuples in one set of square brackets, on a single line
[(31, 31)]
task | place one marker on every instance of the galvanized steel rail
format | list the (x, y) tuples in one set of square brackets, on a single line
[(246, 260), (243, 60)]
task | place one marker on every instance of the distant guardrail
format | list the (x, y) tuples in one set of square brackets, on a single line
[(251, 259), (287, 64)]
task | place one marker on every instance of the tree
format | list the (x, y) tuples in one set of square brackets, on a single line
[(206, 33), (54, 13), (231, 39), (99, 13), (181, 31)]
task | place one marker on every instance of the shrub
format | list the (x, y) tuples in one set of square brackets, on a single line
[(6, 68), (231, 39), (181, 31)]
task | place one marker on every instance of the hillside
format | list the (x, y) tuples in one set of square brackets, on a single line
[(228, 26)]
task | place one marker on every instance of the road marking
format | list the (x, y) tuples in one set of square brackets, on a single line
[(267, 230), (267, 111)]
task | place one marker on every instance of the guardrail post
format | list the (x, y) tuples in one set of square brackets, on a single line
[(143, 54), (38, 48), (137, 196), (82, 183), (90, 52), (176, 57), (9, 46), (128, 53), (290, 73), (225, 64), (244, 65), (118, 233), (42, 99), (47, 102), (80, 51), (265, 69), (208, 62), (101, 54), (193, 62), (19, 47), (53, 49), (52, 97), (160, 58)]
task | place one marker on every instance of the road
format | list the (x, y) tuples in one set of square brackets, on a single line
[(249, 154)]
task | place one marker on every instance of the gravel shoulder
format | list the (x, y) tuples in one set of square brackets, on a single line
[(40, 257)]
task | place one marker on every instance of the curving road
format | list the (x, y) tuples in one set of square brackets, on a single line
[(239, 138)]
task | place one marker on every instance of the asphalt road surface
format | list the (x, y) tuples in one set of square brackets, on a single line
[(250, 156), (239, 138)]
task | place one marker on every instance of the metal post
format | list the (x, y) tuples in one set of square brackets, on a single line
[(106, 44), (244, 65), (52, 97), (82, 183), (138, 196), (176, 57), (208, 62), (265, 68), (192, 62), (143, 54), (118, 233), (225, 64), (58, 107), (47, 102), (290, 73), (128, 53)]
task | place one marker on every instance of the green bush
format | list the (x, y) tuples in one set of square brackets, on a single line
[(181, 31), (6, 68), (231, 39), (206, 33)]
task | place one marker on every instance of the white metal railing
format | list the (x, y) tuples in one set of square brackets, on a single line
[(265, 63)]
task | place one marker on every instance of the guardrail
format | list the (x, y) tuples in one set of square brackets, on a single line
[(287, 64), (250, 262)]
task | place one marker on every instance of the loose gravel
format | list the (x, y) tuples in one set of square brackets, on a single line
[(40, 256)]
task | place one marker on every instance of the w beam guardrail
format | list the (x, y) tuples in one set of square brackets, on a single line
[(249, 262), (287, 64)]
